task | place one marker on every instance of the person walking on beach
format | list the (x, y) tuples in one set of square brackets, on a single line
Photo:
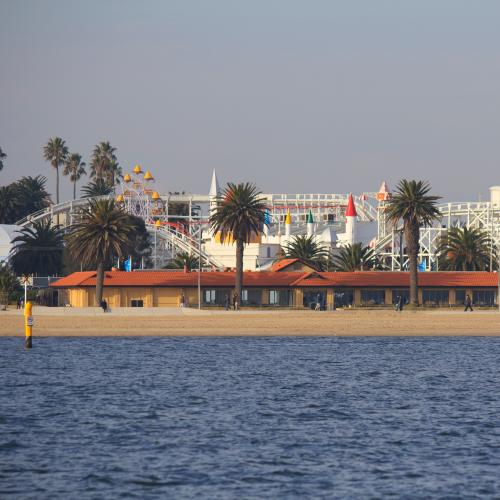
[(182, 300), (401, 303), (226, 302), (235, 301), (104, 305), (318, 303), (397, 303), (18, 303), (468, 303)]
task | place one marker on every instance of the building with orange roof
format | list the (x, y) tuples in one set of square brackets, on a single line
[(284, 286)]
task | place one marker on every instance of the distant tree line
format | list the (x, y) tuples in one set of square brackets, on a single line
[(29, 194)]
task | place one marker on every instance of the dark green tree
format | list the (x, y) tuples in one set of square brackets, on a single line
[(21, 198), (33, 194), (8, 284), (37, 250), (10, 204), (308, 250), (415, 207), (103, 231), (239, 216), (355, 257), (184, 260), (104, 164), (56, 152), (2, 158), (75, 168), (463, 249), (99, 187)]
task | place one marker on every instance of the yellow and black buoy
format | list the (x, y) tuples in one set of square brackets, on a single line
[(28, 325)]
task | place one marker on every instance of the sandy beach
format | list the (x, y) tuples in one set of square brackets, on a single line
[(73, 322)]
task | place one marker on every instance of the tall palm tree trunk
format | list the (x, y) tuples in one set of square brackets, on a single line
[(239, 268), (412, 236), (99, 283), (57, 183), (74, 189)]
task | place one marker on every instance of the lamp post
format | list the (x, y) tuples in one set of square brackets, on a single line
[(25, 282), (199, 267)]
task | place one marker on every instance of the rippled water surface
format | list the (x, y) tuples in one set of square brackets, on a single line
[(249, 418)]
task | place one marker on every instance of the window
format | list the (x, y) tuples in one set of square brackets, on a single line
[(401, 292), (281, 298), (372, 297), (217, 296), (268, 252), (210, 296), (137, 303), (436, 297), (344, 297), (483, 297), (460, 296), (251, 297)]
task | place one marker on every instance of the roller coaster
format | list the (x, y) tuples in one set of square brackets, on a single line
[(179, 221)]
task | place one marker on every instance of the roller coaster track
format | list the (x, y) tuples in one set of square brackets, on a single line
[(174, 238), (183, 242)]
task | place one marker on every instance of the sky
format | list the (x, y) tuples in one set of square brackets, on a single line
[(303, 96)]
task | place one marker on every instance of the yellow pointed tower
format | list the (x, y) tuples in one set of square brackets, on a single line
[(288, 224)]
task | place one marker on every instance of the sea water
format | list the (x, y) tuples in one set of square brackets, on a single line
[(249, 418)]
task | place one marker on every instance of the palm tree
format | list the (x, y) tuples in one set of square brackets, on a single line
[(75, 168), (56, 152), (355, 257), (114, 173), (103, 164), (10, 204), (184, 260), (96, 188), (463, 249), (21, 198), (33, 194), (307, 249), (37, 250), (103, 232), (2, 157), (412, 204), (239, 215)]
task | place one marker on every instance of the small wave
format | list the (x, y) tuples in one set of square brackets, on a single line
[(11, 445)]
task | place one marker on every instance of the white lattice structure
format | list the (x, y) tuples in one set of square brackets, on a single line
[(174, 232), (481, 214)]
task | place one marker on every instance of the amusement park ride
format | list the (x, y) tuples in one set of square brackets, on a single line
[(179, 222)]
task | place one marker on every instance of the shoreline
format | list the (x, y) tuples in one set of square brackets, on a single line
[(206, 323)]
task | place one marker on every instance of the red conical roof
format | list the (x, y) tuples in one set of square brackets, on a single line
[(351, 209)]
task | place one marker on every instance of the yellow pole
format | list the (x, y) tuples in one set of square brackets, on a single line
[(28, 324)]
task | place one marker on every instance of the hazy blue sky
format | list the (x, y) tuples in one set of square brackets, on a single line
[(296, 96)]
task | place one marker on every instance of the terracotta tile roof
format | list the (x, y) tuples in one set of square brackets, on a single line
[(176, 279), (281, 279), (402, 279), (281, 264), (314, 279)]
